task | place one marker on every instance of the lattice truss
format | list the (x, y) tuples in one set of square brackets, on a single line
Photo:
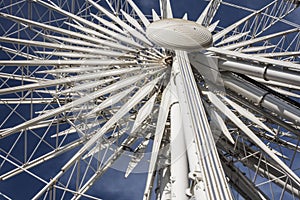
[(83, 90)]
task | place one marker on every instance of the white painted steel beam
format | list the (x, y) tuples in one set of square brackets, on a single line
[(232, 38), (258, 48), (110, 101), (91, 24), (209, 12), (266, 167), (267, 74), (165, 9), (105, 144), (84, 126), (179, 162), (247, 114), (205, 165), (226, 111), (109, 24), (259, 39), (254, 58), (213, 26), (44, 158), (19, 53), (262, 98), (133, 22), (218, 120), (103, 168), (159, 131), (145, 90), (99, 38), (276, 83), (79, 35), (87, 86), (280, 54), (273, 119), (242, 184), (223, 32), (113, 87), (72, 79), (31, 79), (139, 13), (73, 41), (155, 16), (69, 54), (45, 123), (30, 101), (116, 19), (138, 155), (144, 112), (98, 51)]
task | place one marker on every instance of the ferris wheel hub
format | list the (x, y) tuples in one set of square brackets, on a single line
[(179, 34)]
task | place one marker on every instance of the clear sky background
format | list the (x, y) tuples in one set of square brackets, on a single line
[(112, 185)]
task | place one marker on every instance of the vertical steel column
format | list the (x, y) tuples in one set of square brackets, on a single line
[(206, 171), (179, 162)]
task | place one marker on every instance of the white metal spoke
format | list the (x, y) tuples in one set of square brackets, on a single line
[(92, 91)]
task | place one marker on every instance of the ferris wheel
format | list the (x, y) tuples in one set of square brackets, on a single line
[(116, 100)]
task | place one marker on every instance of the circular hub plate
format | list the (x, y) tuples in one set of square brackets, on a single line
[(179, 34)]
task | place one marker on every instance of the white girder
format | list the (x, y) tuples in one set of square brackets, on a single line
[(47, 83), (131, 30), (84, 21), (66, 47), (109, 24), (21, 78), (143, 113), (213, 26), (226, 111), (137, 156), (279, 54), (261, 97), (76, 34), (247, 114), (255, 58), (87, 86), (165, 9), (133, 22), (139, 13), (218, 120), (160, 127), (232, 38), (259, 39), (28, 101), (255, 49), (209, 12), (100, 38), (241, 182), (179, 165), (222, 33), (267, 74), (65, 54), (94, 95), (19, 53), (73, 41), (45, 157), (205, 164), (113, 87), (110, 101), (145, 90), (155, 15)]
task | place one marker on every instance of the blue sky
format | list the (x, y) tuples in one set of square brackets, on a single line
[(110, 186)]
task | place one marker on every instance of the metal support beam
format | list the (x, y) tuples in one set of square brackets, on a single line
[(205, 166), (179, 162)]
